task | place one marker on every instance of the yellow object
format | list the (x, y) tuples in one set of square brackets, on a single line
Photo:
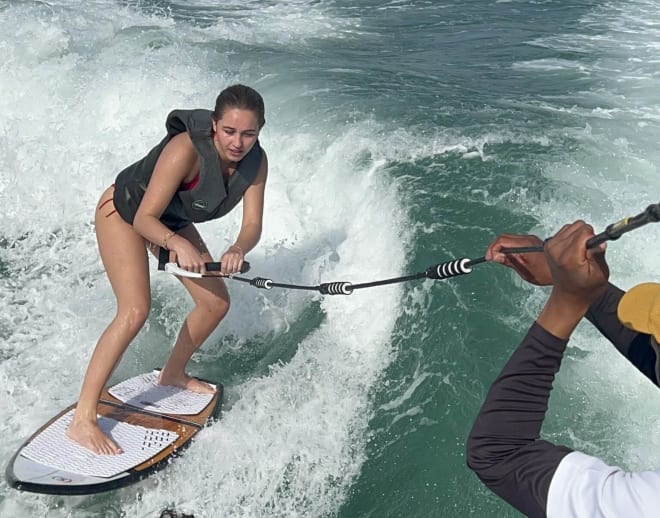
[(639, 309)]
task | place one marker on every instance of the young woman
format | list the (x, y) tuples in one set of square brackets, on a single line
[(207, 163)]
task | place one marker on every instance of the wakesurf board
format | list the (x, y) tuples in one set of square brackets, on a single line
[(151, 423)]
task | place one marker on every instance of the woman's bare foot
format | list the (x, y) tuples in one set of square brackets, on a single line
[(89, 435), (186, 382)]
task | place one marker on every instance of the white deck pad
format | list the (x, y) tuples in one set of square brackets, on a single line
[(144, 392), (53, 448)]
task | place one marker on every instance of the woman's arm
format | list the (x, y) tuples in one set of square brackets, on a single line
[(178, 163), (252, 224)]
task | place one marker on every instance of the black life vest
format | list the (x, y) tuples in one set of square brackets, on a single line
[(210, 198)]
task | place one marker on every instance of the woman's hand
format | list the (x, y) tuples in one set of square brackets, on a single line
[(187, 255), (232, 260)]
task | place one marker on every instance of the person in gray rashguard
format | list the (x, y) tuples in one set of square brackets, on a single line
[(504, 447)]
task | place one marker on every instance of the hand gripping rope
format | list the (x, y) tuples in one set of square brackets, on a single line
[(437, 271)]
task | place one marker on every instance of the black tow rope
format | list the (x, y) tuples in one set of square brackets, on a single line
[(444, 270)]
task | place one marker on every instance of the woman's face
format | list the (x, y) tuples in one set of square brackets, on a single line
[(235, 133)]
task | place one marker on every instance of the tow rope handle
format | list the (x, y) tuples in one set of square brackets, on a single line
[(164, 264)]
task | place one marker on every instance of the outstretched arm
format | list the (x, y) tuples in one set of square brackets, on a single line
[(177, 163), (251, 226), (504, 447)]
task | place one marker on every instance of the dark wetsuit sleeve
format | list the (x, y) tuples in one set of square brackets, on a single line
[(504, 447), (634, 346)]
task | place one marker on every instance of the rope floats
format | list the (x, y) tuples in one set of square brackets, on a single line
[(439, 271)]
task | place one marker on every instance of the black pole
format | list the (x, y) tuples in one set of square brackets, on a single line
[(611, 233)]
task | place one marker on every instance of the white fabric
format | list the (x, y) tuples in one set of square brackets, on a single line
[(143, 391), (53, 448), (584, 486)]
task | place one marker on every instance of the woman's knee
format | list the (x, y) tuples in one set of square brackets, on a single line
[(215, 304), (134, 316)]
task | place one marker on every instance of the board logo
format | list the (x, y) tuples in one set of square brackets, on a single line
[(199, 204)]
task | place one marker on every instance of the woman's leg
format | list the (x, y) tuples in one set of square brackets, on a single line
[(124, 256), (211, 305)]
